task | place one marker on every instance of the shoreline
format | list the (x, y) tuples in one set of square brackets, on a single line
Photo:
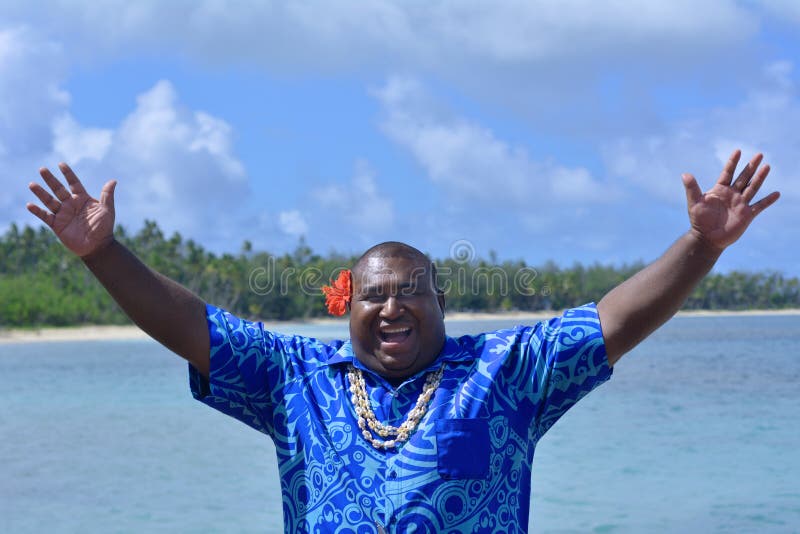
[(130, 332)]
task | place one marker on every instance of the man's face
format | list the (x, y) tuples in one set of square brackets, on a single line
[(396, 316)]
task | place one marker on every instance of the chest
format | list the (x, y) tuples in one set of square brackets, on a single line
[(465, 455)]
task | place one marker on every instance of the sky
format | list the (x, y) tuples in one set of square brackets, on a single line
[(541, 131)]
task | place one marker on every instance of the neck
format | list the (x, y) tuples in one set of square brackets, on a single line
[(394, 380)]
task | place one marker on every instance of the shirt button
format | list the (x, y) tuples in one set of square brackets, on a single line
[(392, 474)]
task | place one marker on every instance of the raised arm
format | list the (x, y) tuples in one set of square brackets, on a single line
[(634, 309), (164, 309)]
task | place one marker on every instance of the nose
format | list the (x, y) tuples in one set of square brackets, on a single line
[(392, 308)]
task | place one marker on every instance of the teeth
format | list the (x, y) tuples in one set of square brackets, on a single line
[(395, 330)]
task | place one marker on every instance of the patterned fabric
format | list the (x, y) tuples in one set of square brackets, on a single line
[(468, 466)]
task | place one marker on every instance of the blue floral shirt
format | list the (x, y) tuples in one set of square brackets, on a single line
[(467, 467)]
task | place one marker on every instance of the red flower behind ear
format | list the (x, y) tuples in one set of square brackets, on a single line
[(338, 294)]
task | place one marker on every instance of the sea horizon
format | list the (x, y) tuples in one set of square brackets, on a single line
[(99, 332)]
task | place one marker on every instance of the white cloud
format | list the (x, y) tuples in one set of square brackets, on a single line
[(540, 59), (351, 33), (763, 121), (493, 190), (523, 31), (469, 161), (293, 223), (74, 144), (359, 207), (783, 9), (638, 208), (174, 165), (31, 71)]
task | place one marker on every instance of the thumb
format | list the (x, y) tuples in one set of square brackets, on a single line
[(693, 192), (107, 194)]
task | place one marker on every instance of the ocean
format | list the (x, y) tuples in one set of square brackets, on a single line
[(697, 431)]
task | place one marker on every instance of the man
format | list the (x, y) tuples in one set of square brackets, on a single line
[(401, 428)]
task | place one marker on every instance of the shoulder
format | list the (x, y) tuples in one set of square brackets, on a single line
[(491, 345), (571, 326), (253, 338)]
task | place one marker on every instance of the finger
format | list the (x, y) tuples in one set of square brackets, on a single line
[(727, 172), (74, 183), (55, 186), (107, 194), (765, 202), (744, 177), (755, 184), (46, 217), (46, 198), (693, 192)]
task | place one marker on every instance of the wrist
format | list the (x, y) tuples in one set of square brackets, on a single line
[(99, 250), (702, 246)]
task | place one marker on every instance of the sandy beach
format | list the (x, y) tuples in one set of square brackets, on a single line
[(105, 332), (71, 333)]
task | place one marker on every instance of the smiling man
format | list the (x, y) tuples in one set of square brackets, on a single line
[(397, 312), (401, 428)]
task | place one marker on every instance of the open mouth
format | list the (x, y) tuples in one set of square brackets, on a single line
[(394, 334)]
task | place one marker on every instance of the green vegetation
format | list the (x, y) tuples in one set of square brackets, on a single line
[(43, 284)]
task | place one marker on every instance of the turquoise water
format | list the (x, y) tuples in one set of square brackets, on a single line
[(698, 431)]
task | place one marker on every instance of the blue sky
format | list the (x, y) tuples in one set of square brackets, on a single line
[(537, 130)]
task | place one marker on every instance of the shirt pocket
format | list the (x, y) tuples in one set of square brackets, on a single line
[(463, 448)]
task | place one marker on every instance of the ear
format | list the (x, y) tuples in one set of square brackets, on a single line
[(439, 292), (440, 299)]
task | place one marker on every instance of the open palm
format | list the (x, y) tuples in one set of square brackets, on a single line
[(722, 214), (84, 224)]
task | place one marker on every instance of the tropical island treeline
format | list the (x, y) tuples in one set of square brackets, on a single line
[(43, 284)]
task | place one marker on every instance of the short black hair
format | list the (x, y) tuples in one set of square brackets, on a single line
[(398, 249)]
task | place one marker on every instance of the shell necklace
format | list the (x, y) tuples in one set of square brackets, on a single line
[(370, 425)]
